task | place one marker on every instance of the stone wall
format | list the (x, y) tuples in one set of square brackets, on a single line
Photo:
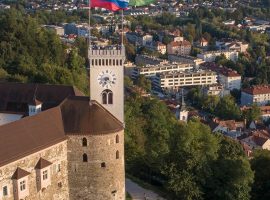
[(90, 180), (58, 188)]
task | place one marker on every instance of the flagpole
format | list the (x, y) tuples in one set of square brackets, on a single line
[(122, 34), (89, 24)]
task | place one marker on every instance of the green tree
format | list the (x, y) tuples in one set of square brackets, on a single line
[(227, 108), (260, 164)]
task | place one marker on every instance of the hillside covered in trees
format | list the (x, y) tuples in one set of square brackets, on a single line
[(30, 53)]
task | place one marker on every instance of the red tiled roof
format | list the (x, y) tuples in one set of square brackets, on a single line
[(180, 43), (221, 69), (20, 173), (42, 163), (258, 89)]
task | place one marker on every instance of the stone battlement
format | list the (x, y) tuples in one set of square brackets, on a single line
[(106, 51)]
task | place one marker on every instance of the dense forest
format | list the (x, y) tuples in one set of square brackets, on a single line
[(187, 161), (30, 53)]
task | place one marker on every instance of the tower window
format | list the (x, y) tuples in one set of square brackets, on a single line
[(107, 97), (99, 62), (117, 62), (103, 63), (110, 61), (117, 139), (110, 98), (103, 164), (5, 191), (113, 62), (84, 142), (93, 62), (106, 62), (85, 157), (120, 62), (117, 155), (96, 61)]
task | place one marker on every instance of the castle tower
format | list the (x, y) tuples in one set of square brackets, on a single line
[(107, 78)]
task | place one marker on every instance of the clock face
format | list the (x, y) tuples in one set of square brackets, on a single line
[(106, 79)]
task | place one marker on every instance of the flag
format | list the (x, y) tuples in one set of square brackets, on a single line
[(113, 5), (140, 2)]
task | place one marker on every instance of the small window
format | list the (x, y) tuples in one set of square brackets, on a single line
[(59, 184), (117, 155), (85, 158), (117, 139), (84, 142), (103, 164), (59, 168), (5, 191), (22, 185), (45, 175)]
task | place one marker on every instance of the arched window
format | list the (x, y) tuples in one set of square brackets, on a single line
[(84, 142), (85, 157), (104, 97), (113, 62), (116, 62), (117, 155), (110, 98), (99, 62), (107, 97), (117, 139)]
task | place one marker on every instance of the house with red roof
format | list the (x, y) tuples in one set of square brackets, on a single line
[(259, 94)]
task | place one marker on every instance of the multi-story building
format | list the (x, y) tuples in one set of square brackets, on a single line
[(210, 56), (185, 59), (153, 70), (215, 90), (142, 60), (259, 95), (232, 45), (159, 47), (179, 47), (72, 149), (174, 81), (229, 78)]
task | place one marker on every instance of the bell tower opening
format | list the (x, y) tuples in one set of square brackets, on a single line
[(107, 77)]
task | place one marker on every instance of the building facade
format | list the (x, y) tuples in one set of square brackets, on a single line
[(210, 56), (259, 95)]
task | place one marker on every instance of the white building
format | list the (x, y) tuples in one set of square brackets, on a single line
[(152, 70), (174, 81), (215, 90), (259, 95), (229, 78), (231, 45), (210, 56)]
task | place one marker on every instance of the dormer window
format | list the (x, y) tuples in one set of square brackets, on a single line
[(34, 107), (43, 171), (20, 183)]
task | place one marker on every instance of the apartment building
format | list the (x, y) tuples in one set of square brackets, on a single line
[(259, 95), (210, 56), (179, 47), (172, 81), (229, 78)]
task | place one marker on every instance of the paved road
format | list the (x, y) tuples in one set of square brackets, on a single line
[(139, 193)]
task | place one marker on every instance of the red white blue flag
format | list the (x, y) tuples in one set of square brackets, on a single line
[(113, 5)]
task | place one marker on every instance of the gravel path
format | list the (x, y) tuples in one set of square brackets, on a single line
[(139, 193)]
